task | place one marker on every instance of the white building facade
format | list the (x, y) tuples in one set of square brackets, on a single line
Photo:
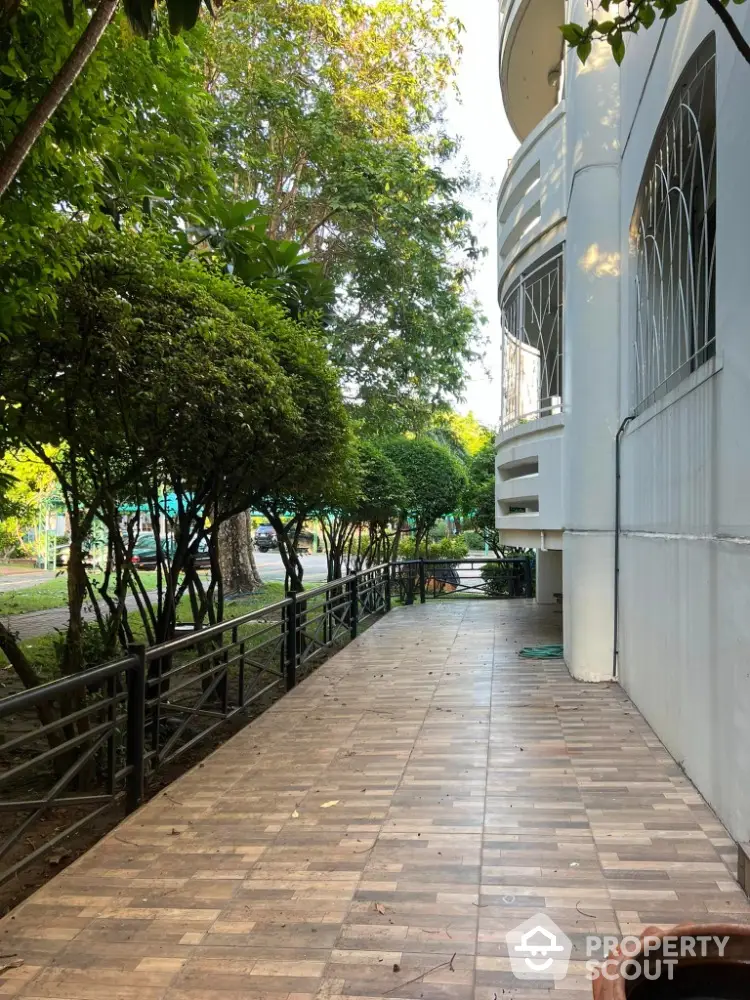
[(623, 453)]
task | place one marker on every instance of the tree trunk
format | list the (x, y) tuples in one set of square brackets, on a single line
[(29, 679), (236, 558), (288, 535), (17, 658), (73, 651), (13, 157), (397, 540)]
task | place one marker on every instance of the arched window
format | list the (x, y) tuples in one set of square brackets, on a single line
[(673, 238)]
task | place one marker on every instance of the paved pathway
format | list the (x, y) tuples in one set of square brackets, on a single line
[(378, 830)]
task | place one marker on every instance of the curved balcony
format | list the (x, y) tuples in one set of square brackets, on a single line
[(531, 200), (528, 484), (531, 48), (529, 445)]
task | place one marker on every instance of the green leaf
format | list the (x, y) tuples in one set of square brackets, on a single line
[(617, 44), (573, 33), (584, 51), (646, 15)]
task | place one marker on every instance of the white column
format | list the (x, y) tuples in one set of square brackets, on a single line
[(591, 324), (549, 575)]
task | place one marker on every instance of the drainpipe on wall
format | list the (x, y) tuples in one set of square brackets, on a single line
[(616, 616)]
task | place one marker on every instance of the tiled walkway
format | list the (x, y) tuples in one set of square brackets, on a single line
[(377, 832)]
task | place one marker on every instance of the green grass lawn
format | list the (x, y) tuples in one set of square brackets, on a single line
[(49, 594), (41, 650)]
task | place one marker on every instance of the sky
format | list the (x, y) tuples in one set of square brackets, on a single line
[(487, 143)]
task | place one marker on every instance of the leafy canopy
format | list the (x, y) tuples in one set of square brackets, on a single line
[(129, 145), (435, 479)]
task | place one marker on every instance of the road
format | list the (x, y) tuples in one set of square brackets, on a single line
[(271, 568), (36, 623), (12, 579)]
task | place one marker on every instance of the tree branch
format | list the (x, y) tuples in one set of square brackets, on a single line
[(13, 157), (731, 25)]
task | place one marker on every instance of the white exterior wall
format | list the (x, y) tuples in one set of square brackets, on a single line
[(685, 545), (549, 576), (685, 564)]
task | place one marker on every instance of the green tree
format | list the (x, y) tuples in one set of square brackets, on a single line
[(357, 523), (328, 114), (130, 144), (236, 235), (140, 14), (611, 22), (478, 501), (183, 372), (435, 482)]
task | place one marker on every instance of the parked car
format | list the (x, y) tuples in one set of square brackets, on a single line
[(265, 538), (144, 551), (62, 556)]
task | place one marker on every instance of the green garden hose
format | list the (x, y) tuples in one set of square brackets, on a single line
[(542, 652)]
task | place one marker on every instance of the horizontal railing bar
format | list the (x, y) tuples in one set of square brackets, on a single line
[(462, 560), (222, 651), (306, 595), (203, 635), (165, 697), (172, 753), (271, 627), (64, 685), (215, 654), (56, 751), (70, 800), (49, 844), (173, 706), (105, 704), (75, 768)]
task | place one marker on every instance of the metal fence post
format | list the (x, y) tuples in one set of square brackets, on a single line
[(136, 729), (387, 598), (527, 578), (409, 587), (354, 606), (241, 668), (290, 613), (422, 583)]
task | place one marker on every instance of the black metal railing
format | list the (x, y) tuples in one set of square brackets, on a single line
[(71, 748), (76, 746), (475, 576)]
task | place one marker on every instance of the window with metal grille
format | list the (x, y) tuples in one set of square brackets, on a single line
[(531, 315), (673, 239)]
